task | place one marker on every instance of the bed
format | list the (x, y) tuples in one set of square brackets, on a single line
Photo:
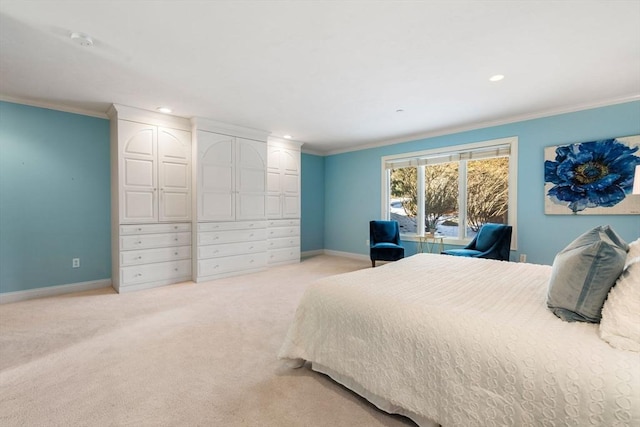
[(458, 341)]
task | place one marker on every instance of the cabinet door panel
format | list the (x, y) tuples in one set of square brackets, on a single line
[(138, 172), (273, 205), (216, 178), (174, 174), (273, 181), (252, 180), (291, 206), (289, 163), (216, 206), (174, 144), (138, 206), (251, 206), (175, 205)]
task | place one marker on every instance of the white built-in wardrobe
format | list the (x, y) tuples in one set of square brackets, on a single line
[(198, 199)]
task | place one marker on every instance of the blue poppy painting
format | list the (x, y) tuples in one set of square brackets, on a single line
[(593, 177)]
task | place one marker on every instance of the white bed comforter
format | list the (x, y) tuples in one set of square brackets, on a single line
[(464, 342)]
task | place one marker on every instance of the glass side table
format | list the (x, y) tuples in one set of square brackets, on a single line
[(431, 243)]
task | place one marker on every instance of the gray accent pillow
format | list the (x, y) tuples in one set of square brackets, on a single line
[(584, 272)]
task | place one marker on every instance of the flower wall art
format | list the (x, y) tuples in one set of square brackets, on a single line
[(594, 177)]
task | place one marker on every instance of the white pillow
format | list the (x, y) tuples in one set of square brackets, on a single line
[(620, 324), (633, 254)]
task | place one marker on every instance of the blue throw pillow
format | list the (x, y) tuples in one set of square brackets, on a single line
[(584, 272)]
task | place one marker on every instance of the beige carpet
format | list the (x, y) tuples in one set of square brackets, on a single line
[(180, 355)]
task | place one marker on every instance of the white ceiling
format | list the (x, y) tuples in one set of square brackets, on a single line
[(330, 73)]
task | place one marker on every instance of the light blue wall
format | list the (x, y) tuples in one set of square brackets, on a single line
[(312, 216), (54, 198), (353, 194)]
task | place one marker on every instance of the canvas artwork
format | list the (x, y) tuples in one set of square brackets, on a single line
[(592, 178)]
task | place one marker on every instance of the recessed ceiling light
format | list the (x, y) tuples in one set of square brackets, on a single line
[(496, 78), (164, 109), (399, 110), (82, 39), (287, 137)]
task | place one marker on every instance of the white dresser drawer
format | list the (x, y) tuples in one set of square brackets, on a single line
[(283, 232), (147, 241), (154, 228), (283, 222), (215, 266), (240, 225), (283, 242), (146, 256), (282, 255), (231, 236), (153, 272), (215, 251)]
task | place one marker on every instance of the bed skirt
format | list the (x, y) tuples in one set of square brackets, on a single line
[(375, 400)]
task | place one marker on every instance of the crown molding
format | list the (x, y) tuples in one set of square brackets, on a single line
[(483, 125), (53, 106)]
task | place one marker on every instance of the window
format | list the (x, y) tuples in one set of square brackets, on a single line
[(452, 191)]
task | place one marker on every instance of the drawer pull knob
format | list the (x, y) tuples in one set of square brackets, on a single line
[(250, 247), (175, 227), (139, 242), (251, 235), (175, 253), (176, 269), (139, 229), (140, 257), (139, 275), (251, 261), (176, 239)]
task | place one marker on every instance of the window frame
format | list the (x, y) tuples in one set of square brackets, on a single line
[(512, 216)]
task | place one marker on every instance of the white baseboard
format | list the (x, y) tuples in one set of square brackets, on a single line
[(309, 254), (49, 291), (347, 255)]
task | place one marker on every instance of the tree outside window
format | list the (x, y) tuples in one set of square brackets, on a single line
[(485, 191)]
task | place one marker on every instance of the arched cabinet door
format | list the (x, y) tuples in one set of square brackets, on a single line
[(138, 172), (290, 184), (216, 177), (251, 178), (283, 183), (174, 175)]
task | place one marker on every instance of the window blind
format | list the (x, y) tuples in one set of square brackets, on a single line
[(450, 156)]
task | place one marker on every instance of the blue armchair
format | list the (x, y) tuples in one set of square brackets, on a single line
[(384, 241), (492, 241)]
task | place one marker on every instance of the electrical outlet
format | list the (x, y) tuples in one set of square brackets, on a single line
[(366, 243), (75, 263), (523, 257)]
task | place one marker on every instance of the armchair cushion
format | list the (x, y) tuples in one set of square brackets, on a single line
[(488, 235)]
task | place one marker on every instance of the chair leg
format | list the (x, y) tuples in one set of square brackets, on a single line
[(373, 263)]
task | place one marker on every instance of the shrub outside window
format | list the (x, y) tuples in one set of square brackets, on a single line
[(452, 191)]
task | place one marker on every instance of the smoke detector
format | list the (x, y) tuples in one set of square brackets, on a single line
[(82, 39)]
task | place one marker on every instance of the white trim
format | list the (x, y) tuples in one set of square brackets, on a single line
[(53, 106), (512, 219), (482, 125), (214, 126), (123, 112), (284, 143), (309, 254), (49, 291), (347, 255), (306, 150)]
